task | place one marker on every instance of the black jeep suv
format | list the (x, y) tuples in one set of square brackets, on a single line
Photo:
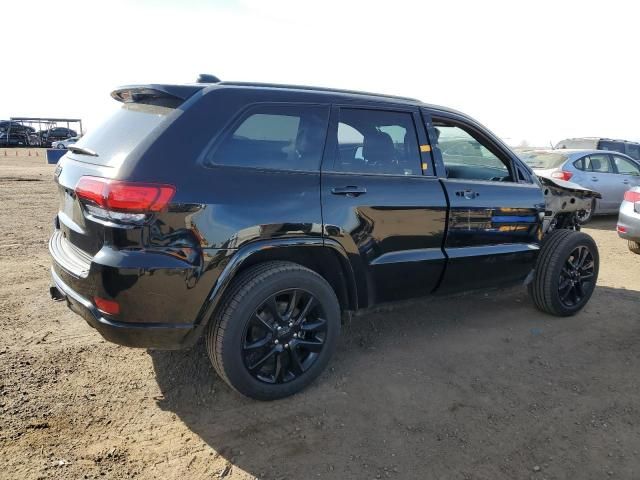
[(261, 215)]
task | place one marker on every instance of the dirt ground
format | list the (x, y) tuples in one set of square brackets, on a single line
[(479, 386)]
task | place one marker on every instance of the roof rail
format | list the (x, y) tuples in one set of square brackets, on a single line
[(317, 89)]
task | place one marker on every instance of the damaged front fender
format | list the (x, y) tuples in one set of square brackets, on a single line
[(563, 201)]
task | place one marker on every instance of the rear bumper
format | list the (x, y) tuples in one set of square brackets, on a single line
[(159, 296), (147, 335), (629, 222)]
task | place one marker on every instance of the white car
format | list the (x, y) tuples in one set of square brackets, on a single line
[(629, 219), (64, 143)]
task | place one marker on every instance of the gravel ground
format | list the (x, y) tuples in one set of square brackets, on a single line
[(479, 386)]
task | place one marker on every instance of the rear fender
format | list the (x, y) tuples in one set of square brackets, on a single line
[(254, 253)]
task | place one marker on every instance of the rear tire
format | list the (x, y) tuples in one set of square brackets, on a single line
[(566, 273), (634, 247), (275, 330)]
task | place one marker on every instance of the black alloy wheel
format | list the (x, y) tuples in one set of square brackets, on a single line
[(284, 336), (576, 276), (275, 331), (566, 272)]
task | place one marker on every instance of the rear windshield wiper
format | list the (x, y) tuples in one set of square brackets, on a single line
[(81, 150)]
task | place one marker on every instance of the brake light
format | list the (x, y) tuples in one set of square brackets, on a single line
[(110, 307), (562, 175), (621, 229), (128, 197), (631, 196)]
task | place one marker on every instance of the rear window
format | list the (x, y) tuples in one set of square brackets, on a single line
[(121, 133), (543, 159)]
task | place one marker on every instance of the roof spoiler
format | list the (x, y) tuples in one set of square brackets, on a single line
[(162, 95)]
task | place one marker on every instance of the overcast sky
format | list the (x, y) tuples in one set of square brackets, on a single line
[(536, 71)]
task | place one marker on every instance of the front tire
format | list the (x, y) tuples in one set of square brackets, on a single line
[(566, 273), (275, 331)]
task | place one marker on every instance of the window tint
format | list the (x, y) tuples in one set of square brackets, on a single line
[(466, 157), (373, 141), (611, 145), (633, 150), (598, 163), (275, 137), (625, 166), (127, 128)]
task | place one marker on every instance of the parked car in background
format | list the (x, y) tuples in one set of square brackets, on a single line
[(610, 174), (11, 127), (596, 143), (15, 126), (14, 139), (629, 219), (15, 134), (56, 134), (64, 143)]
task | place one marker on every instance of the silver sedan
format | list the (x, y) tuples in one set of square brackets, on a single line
[(64, 143), (629, 219), (609, 173)]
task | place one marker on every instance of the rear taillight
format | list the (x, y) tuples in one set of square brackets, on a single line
[(123, 201), (631, 196), (562, 175)]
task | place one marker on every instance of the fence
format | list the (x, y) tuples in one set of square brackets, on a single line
[(23, 152)]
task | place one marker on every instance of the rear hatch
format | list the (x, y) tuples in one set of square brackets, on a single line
[(103, 154)]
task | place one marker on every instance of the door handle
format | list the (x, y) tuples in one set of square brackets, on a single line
[(594, 179), (349, 191), (468, 194), (625, 182)]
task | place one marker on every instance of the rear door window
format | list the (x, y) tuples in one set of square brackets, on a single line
[(598, 163), (377, 142), (282, 137)]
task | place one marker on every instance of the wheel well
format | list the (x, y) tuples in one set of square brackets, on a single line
[(322, 260)]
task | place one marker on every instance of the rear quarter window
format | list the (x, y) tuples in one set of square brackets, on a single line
[(281, 137)]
